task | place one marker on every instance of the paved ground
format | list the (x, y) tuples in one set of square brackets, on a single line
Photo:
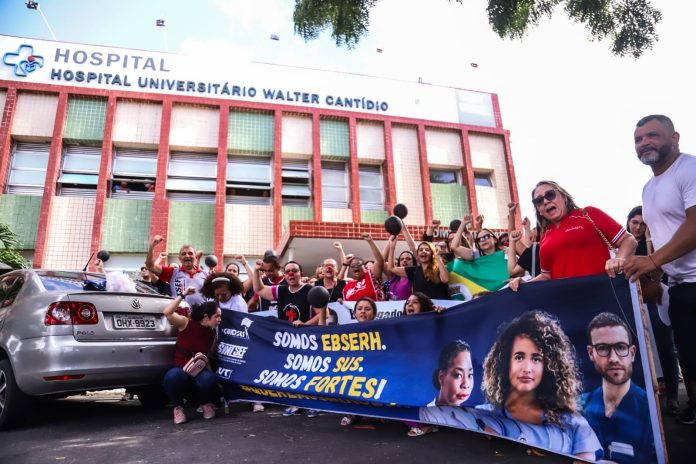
[(100, 428)]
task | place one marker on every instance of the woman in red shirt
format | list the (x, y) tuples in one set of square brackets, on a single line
[(571, 243), (194, 335)]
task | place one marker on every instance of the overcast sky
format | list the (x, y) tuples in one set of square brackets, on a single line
[(570, 106)]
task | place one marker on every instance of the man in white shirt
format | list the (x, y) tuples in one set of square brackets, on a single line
[(669, 210)]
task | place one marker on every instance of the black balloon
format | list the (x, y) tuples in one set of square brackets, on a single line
[(103, 255), (270, 253), (318, 297), (400, 210), (211, 261), (454, 225), (393, 225)]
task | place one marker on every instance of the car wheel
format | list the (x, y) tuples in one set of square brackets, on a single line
[(12, 401), (151, 396)]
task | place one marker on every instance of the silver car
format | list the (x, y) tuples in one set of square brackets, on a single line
[(61, 335)]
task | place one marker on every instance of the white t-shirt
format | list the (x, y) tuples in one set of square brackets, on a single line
[(665, 200), (236, 303)]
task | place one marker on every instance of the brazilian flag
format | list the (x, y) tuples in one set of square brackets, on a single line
[(487, 273)]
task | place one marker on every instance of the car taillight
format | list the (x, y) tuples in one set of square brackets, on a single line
[(71, 312)]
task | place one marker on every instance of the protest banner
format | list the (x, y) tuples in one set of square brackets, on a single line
[(461, 368)]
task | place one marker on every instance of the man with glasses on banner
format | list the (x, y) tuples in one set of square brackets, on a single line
[(669, 210), (618, 410)]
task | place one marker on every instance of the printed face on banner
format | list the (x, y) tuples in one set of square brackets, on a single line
[(526, 365), (457, 381), (614, 368)]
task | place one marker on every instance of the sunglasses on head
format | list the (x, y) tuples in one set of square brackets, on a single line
[(483, 237), (292, 271), (550, 195)]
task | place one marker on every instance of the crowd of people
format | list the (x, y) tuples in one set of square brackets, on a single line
[(567, 241)]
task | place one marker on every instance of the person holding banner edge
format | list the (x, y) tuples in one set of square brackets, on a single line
[(669, 210), (575, 241), (293, 303), (365, 310), (194, 335)]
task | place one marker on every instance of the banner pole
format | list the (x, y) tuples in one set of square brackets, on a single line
[(651, 363)]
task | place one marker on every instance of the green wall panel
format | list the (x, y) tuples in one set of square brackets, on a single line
[(21, 213), (126, 227), (191, 223), (296, 213), (85, 119), (450, 201), (373, 217), (251, 132), (334, 139)]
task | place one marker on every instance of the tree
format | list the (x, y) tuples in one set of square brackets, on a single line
[(628, 24), (8, 248)]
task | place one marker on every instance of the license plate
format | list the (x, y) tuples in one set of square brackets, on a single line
[(134, 321)]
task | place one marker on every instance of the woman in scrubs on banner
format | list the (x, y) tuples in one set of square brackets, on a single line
[(531, 383)]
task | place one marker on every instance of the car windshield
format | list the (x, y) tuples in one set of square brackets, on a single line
[(74, 282)]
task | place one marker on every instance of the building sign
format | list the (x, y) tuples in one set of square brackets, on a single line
[(97, 67)]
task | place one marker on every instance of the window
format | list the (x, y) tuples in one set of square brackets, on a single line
[(28, 168), (443, 176), (133, 173), (249, 180), (192, 177), (334, 185), (80, 171), (9, 289), (483, 179), (371, 188), (296, 183)]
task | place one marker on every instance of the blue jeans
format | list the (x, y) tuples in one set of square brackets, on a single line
[(179, 384)]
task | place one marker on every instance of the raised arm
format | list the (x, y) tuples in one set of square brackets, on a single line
[(442, 267), (456, 246), (512, 207), (248, 283), (527, 237), (342, 261), (389, 261), (260, 289), (150, 262), (178, 321), (409, 239), (514, 269), (379, 259)]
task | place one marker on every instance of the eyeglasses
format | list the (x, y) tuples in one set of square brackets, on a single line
[(604, 349), (550, 195), (292, 271), (483, 237), (356, 266)]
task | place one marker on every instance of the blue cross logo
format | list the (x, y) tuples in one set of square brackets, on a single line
[(23, 60)]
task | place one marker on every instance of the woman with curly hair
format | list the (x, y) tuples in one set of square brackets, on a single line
[(429, 275), (531, 382), (226, 289)]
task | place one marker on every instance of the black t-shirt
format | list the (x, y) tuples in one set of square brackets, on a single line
[(265, 304), (525, 260), (434, 291), (334, 293), (294, 306)]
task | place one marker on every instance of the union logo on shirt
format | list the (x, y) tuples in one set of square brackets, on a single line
[(291, 313)]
